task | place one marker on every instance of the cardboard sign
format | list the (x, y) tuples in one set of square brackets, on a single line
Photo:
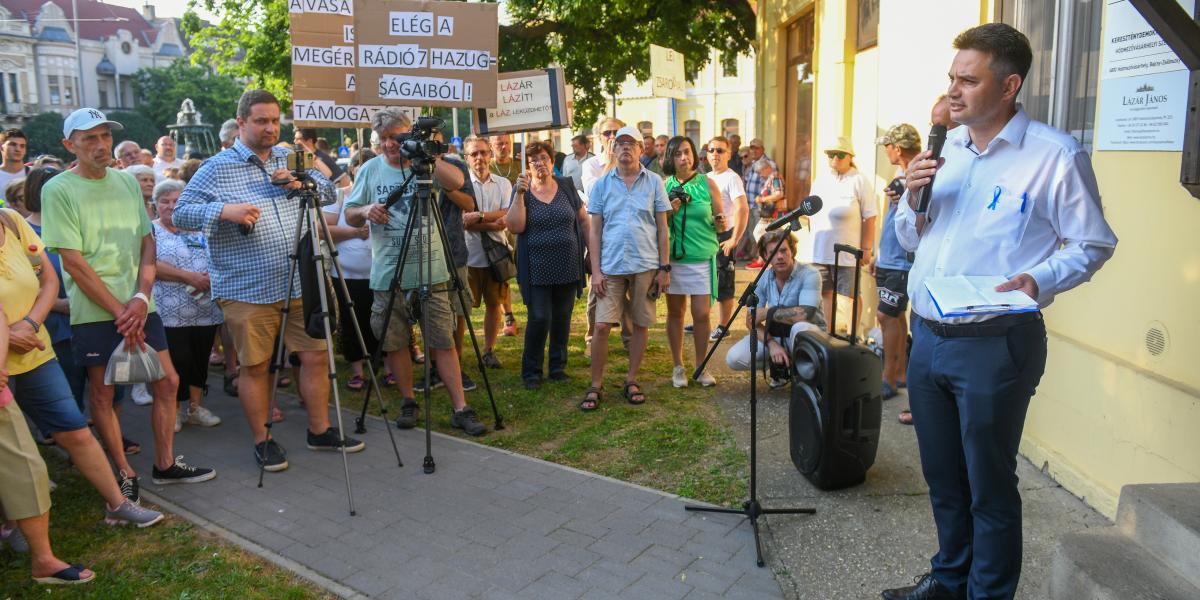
[(667, 73), (526, 101), (323, 52), (426, 53)]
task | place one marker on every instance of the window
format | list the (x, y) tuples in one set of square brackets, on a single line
[(55, 91), (730, 127), (692, 130), (646, 127), (867, 24), (14, 90), (103, 93), (69, 91), (3, 95), (1061, 86)]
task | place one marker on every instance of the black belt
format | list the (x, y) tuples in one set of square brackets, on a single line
[(994, 327)]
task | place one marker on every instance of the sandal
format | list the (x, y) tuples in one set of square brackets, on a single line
[(389, 381), (356, 383), (276, 415), (905, 417), (71, 575), (231, 386), (284, 381), (130, 446), (591, 399), (634, 398)]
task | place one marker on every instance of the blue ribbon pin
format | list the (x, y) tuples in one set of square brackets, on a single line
[(995, 198)]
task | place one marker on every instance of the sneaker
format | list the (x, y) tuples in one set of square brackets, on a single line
[(15, 539), (129, 487), (778, 383), (332, 440), (419, 386), (468, 421), (689, 328), (131, 514), (409, 410), (180, 417), (490, 361), (510, 325), (757, 264), (271, 456), (181, 472), (706, 380), (141, 395), (718, 332), (468, 383), (559, 376), (203, 417), (679, 377)]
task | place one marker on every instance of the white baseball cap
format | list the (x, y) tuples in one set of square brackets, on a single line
[(628, 131), (87, 118)]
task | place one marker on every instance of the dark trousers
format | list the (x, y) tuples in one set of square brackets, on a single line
[(550, 309), (189, 348), (76, 375), (362, 296), (969, 397)]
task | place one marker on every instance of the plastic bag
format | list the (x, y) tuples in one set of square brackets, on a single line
[(139, 366)]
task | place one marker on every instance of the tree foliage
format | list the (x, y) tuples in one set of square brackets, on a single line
[(45, 136), (598, 44), (137, 127), (161, 90)]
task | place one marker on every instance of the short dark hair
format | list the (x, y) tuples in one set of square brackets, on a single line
[(668, 163), (8, 134), (768, 241), (535, 148), (34, 181), (1010, 50), (307, 134), (252, 97), (582, 139)]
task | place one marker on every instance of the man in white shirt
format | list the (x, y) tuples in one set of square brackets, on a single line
[(736, 214), (493, 195), (12, 157), (165, 156), (573, 163), (1017, 198), (128, 153)]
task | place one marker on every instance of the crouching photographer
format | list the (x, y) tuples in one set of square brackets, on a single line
[(789, 301)]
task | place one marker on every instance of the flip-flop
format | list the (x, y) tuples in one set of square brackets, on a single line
[(356, 383), (72, 575), (630, 396)]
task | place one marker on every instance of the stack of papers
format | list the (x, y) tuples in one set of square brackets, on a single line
[(963, 295)]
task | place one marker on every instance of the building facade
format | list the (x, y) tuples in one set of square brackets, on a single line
[(43, 47), (1120, 399)]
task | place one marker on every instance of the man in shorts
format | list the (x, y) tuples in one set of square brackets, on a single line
[(891, 266), (493, 195), (249, 258)]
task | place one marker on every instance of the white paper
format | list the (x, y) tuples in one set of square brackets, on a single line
[(961, 295)]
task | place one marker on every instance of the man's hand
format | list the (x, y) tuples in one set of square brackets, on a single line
[(378, 214), (1023, 283), (598, 285), (728, 245), (664, 281), (285, 175), (240, 214), (201, 282), (22, 338), (920, 173), (892, 196), (777, 352), (132, 318), (363, 232), (472, 218)]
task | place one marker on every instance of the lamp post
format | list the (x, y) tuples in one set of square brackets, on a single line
[(78, 54)]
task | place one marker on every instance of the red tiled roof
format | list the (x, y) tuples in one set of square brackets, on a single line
[(93, 28)]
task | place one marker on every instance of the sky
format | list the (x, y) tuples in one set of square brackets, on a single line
[(162, 8)]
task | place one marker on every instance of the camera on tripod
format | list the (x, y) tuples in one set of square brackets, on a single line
[(418, 144), (680, 195), (299, 162)]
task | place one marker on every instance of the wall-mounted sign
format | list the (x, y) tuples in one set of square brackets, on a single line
[(526, 101)]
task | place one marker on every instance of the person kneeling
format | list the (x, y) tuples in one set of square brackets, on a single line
[(789, 297)]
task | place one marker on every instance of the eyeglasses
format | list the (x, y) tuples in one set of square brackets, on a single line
[(626, 145), (540, 159), (609, 133), (837, 155), (716, 151), (479, 153)]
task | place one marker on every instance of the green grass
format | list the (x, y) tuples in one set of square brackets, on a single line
[(170, 560), (677, 442)]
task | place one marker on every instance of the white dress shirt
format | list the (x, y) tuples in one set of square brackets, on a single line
[(491, 195), (1029, 204), (573, 167), (849, 199), (161, 165), (593, 168)]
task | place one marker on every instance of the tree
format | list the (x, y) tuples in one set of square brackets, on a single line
[(598, 44), (160, 91), (45, 136), (137, 127)]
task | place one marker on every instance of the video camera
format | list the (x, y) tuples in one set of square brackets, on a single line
[(418, 144)]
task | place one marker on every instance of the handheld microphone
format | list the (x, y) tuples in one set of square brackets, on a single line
[(808, 207), (937, 139)]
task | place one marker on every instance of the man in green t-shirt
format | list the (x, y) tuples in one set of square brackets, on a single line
[(93, 216)]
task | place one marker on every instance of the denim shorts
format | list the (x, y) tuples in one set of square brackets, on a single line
[(94, 343), (46, 397)]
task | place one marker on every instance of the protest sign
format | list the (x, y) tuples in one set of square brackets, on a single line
[(667, 73), (426, 53), (526, 101), (323, 51)]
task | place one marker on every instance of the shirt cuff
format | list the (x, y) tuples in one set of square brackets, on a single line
[(1043, 274)]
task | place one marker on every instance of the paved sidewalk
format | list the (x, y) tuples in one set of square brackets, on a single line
[(488, 524)]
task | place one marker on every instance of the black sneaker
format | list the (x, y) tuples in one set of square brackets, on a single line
[(409, 410), (559, 376), (689, 328), (468, 383), (271, 456), (129, 487), (532, 383), (181, 472), (419, 386), (468, 421), (332, 440), (490, 361)]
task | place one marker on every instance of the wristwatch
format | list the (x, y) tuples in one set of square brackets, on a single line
[(664, 268), (142, 297), (37, 327)]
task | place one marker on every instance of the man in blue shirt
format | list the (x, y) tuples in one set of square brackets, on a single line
[(251, 227), (628, 248), (791, 293), (901, 143), (1016, 198)]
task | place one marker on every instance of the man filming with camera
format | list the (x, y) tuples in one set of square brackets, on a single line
[(377, 180), (789, 301), (239, 199)]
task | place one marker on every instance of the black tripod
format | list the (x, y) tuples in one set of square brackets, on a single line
[(423, 219), (311, 233), (751, 508)]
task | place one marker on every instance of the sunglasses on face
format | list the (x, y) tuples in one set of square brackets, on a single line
[(716, 151), (837, 155), (609, 133)]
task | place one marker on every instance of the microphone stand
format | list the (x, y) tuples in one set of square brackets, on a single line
[(752, 509)]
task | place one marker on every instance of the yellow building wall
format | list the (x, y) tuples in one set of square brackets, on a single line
[(1107, 413)]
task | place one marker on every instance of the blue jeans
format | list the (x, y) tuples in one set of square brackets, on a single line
[(45, 396), (968, 397), (550, 309)]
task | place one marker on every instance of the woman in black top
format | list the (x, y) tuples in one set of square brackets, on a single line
[(551, 224)]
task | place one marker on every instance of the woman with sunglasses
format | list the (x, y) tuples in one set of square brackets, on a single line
[(693, 242), (847, 218)]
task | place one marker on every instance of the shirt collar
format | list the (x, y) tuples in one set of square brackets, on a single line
[(244, 153), (1013, 132), (491, 178), (641, 173)]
